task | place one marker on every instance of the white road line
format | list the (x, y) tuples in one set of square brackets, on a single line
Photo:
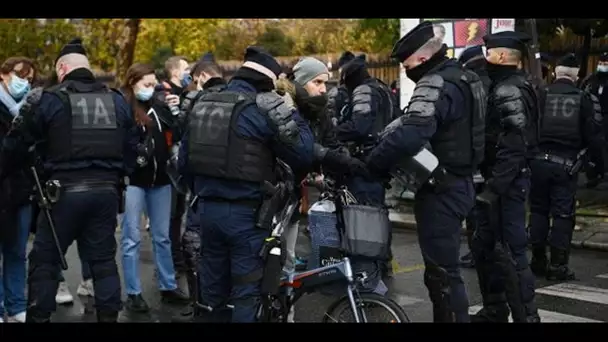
[(605, 276), (404, 300), (549, 316), (578, 292)]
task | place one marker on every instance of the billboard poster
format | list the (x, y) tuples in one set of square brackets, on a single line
[(459, 34)]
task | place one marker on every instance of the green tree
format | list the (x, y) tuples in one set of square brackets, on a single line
[(275, 41), (385, 33)]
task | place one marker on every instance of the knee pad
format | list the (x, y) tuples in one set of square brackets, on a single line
[(436, 278)]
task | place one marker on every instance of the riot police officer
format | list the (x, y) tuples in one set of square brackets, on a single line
[(372, 107), (206, 77), (474, 59), (447, 111), (233, 138), (499, 243), (338, 97), (571, 123), (90, 143), (595, 84)]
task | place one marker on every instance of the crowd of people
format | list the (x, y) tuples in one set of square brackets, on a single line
[(198, 149)]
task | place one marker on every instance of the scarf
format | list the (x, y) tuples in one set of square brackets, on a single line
[(10, 103)]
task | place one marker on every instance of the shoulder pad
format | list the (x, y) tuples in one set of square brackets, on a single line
[(426, 93), (333, 92), (268, 100), (363, 89), (593, 98), (597, 108), (507, 92), (433, 80)]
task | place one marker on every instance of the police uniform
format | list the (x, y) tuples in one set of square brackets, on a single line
[(191, 238), (338, 99), (230, 148), (571, 120), (511, 140), (474, 59), (90, 141), (596, 84), (447, 111)]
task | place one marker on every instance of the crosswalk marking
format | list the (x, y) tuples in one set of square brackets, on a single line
[(578, 292), (604, 276), (549, 316)]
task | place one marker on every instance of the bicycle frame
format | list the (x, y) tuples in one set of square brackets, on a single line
[(300, 283)]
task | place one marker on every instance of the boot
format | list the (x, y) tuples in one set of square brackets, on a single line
[(104, 316), (33, 318), (495, 310), (558, 269), (467, 261), (539, 261)]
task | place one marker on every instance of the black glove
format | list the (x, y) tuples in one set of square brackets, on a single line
[(345, 164)]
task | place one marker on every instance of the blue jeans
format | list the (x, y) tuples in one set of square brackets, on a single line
[(12, 277), (157, 203)]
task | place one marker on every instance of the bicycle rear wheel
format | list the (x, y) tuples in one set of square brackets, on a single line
[(376, 309)]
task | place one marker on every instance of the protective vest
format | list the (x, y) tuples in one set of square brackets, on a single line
[(89, 128), (560, 121), (459, 145), (215, 149)]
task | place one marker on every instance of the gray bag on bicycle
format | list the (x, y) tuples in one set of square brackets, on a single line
[(366, 232)]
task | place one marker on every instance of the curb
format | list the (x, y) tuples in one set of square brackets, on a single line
[(404, 222)]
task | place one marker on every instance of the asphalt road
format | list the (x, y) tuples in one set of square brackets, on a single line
[(584, 300)]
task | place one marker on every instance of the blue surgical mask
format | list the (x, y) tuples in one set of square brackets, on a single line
[(18, 87), (186, 79), (144, 94), (602, 68)]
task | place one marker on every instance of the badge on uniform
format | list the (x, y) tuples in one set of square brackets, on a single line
[(600, 90)]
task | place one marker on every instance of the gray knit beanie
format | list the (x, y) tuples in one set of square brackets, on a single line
[(307, 69)]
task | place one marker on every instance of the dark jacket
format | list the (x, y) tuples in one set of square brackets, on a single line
[(159, 131), (15, 187)]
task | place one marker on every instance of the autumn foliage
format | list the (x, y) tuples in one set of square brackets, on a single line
[(114, 44)]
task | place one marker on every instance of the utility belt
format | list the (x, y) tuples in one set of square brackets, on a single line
[(569, 165), (53, 189), (441, 179)]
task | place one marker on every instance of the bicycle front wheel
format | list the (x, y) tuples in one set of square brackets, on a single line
[(375, 309)]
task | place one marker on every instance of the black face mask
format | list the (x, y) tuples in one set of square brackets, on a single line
[(313, 106), (416, 73), (496, 71)]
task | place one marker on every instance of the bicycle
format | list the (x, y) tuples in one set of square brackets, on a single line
[(277, 306)]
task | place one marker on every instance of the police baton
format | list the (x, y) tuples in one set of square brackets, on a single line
[(46, 208)]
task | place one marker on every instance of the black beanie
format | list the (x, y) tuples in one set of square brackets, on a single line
[(257, 55), (74, 46), (346, 57), (569, 61)]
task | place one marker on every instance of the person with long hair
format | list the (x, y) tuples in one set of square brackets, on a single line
[(150, 189), (15, 188)]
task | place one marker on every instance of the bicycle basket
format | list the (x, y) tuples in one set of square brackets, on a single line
[(366, 232)]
